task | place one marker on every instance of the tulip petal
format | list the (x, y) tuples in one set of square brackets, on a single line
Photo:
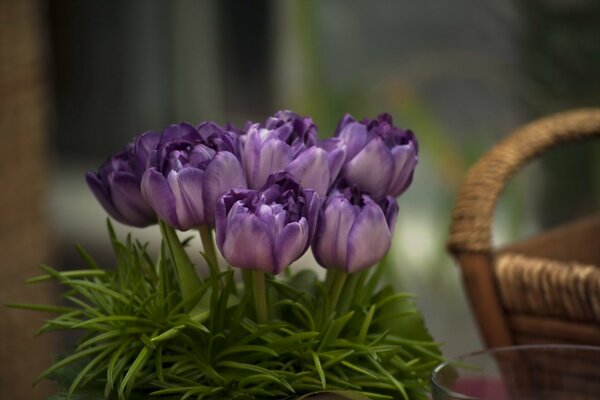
[(372, 169), (187, 185), (355, 136), (220, 223), (263, 154), (180, 131), (249, 243), (369, 239), (103, 197), (127, 199), (291, 244), (335, 159), (228, 206), (331, 239), (143, 147), (405, 160), (314, 207), (389, 205), (274, 156), (346, 119), (223, 174), (311, 168), (158, 194)]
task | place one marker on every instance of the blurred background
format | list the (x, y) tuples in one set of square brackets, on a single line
[(78, 79)]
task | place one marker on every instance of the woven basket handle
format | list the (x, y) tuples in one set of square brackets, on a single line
[(472, 217)]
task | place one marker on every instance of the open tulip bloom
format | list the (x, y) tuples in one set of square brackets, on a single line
[(252, 325)]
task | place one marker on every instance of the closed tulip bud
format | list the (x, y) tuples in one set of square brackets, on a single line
[(354, 231), (380, 158), (288, 142), (190, 169), (266, 230), (116, 184)]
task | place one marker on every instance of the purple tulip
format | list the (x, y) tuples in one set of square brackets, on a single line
[(266, 230), (354, 232), (190, 169), (288, 142), (380, 158), (116, 185)]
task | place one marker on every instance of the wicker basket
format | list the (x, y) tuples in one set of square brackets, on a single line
[(545, 289)]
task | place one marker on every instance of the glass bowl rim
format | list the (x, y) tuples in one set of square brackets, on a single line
[(495, 350)]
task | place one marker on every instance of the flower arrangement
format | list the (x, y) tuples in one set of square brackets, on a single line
[(255, 328)]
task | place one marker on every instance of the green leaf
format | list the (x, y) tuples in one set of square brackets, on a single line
[(245, 349), (335, 329), (88, 368), (41, 307), (129, 379), (364, 329), (69, 274), (319, 368), (70, 359), (333, 395), (411, 326), (87, 258)]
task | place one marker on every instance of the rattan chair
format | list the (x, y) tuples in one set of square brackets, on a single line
[(545, 289)]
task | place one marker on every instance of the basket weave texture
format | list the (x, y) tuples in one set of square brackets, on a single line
[(545, 289)]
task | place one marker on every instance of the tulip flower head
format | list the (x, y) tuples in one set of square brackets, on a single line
[(380, 157), (189, 170), (266, 230), (288, 142), (354, 231), (116, 184)]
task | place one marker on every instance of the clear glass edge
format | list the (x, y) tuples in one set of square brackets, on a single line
[(494, 350)]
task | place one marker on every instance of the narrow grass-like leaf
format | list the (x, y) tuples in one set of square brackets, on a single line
[(244, 349), (109, 335), (334, 330), (70, 359), (364, 329), (319, 368), (116, 363), (89, 260), (397, 384), (360, 370), (41, 307), (129, 379), (393, 297), (310, 322), (375, 277), (336, 357), (111, 319), (68, 274), (88, 368), (169, 334)]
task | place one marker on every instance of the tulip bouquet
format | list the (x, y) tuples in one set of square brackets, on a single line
[(251, 327)]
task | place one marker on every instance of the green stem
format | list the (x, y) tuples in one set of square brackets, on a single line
[(247, 280), (337, 285), (260, 296), (348, 292), (188, 279), (209, 251)]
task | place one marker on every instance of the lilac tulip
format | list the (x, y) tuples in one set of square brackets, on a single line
[(116, 184), (288, 142), (266, 230), (190, 169), (380, 158), (354, 231)]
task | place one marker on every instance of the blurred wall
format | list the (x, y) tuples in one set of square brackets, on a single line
[(24, 239)]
